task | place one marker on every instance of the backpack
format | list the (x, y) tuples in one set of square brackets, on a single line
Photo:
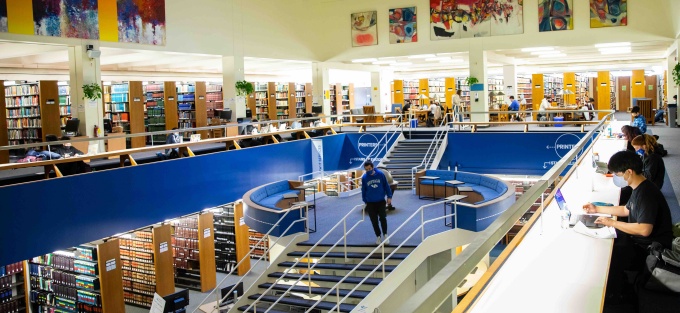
[(662, 270)]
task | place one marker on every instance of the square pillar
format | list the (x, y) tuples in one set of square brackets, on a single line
[(509, 82), (479, 99), (321, 87), (233, 71), (85, 70)]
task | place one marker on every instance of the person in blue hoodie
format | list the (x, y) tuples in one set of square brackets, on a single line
[(639, 120), (374, 189)]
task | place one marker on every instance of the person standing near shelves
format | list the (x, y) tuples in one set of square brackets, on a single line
[(456, 106), (374, 189)]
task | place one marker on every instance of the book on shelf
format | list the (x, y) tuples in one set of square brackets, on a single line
[(22, 107)]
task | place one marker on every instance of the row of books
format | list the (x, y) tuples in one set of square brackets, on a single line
[(154, 87), (23, 112), (21, 90), (22, 101), (24, 123), (18, 134)]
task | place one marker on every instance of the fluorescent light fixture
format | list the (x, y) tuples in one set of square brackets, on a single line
[(546, 52), (560, 55), (421, 56), (538, 49), (402, 64), (62, 83), (445, 54), (107, 83), (619, 50), (612, 44), (387, 58), (437, 59), (451, 61), (384, 62), (368, 60)]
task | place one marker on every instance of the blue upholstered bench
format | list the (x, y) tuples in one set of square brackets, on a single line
[(269, 195), (264, 207)]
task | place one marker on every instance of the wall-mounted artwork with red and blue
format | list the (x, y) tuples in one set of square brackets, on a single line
[(141, 21), (608, 13), (555, 15), (66, 18), (365, 29), (475, 18), (403, 25)]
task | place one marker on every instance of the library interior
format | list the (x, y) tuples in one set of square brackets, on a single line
[(219, 156)]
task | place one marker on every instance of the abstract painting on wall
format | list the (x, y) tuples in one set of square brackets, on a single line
[(607, 13), (403, 25), (555, 15), (3, 16), (66, 18), (141, 21), (475, 18), (364, 29)]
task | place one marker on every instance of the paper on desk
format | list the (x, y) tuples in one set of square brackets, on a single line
[(599, 233)]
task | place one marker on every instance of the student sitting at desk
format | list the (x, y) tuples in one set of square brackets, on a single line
[(639, 120), (545, 104), (173, 153), (653, 168), (67, 151), (649, 221)]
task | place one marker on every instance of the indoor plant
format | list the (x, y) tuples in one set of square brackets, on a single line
[(243, 88), (676, 74), (471, 80), (92, 91)]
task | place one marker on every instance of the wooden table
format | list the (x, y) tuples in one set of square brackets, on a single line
[(419, 114), (432, 178), (567, 116)]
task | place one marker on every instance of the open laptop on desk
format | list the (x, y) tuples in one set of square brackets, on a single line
[(586, 219)]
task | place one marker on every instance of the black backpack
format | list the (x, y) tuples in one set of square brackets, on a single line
[(662, 270)]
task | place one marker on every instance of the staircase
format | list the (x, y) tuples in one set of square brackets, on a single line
[(408, 154), (326, 274)]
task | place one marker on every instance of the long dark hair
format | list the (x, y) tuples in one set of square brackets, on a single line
[(630, 132)]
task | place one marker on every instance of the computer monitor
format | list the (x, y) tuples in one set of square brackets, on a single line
[(108, 127), (71, 128), (317, 109), (176, 301), (249, 114), (560, 200), (232, 297), (225, 115)]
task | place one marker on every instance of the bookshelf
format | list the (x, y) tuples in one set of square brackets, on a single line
[(194, 252), (437, 90), (231, 239), (170, 99), (300, 100), (49, 107), (282, 102), (22, 109), (334, 93), (553, 85), (83, 279), (146, 260), (214, 102), (524, 90), (310, 107), (64, 104), (201, 108), (259, 252), (155, 111), (261, 101), (4, 154), (582, 87), (465, 92), (13, 288), (116, 104), (186, 107), (137, 113), (496, 85), (569, 84), (347, 99), (411, 90)]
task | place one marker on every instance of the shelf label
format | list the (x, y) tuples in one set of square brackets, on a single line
[(136, 99), (49, 101), (651, 87), (171, 98), (241, 221), (163, 246), (201, 97), (538, 86), (623, 88), (158, 304), (110, 265), (206, 233)]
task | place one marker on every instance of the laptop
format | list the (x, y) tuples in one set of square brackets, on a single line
[(586, 219), (601, 167)]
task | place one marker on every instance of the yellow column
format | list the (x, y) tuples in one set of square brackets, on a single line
[(637, 84), (108, 20), (20, 17), (537, 91), (570, 84), (399, 92), (450, 87), (424, 89), (603, 93)]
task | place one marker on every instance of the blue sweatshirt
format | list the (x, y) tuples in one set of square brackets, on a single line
[(374, 187)]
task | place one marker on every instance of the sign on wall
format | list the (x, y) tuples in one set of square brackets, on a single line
[(317, 157)]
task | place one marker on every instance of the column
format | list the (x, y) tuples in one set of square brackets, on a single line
[(672, 87), (233, 71), (510, 82), (321, 87), (380, 91), (479, 99), (85, 70)]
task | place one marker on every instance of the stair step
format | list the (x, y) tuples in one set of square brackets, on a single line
[(323, 305), (358, 294), (415, 140), (337, 266), (350, 255), (328, 278), (260, 309)]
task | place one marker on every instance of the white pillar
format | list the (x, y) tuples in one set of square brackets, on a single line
[(321, 85), (232, 71), (672, 87), (85, 70), (479, 100), (509, 82), (380, 90)]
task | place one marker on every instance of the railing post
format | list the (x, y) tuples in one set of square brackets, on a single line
[(422, 226), (383, 259), (344, 232), (542, 196), (337, 295)]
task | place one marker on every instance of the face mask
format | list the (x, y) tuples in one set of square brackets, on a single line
[(640, 152), (620, 182)]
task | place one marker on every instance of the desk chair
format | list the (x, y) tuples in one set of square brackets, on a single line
[(503, 117)]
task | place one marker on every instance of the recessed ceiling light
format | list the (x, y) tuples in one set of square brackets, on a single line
[(445, 54), (387, 58), (402, 64), (546, 52), (450, 61), (421, 56), (618, 50), (561, 55), (384, 62), (612, 44), (438, 59), (537, 49), (364, 60)]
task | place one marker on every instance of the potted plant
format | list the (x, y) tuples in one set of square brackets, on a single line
[(471, 80), (676, 74), (243, 88), (92, 91)]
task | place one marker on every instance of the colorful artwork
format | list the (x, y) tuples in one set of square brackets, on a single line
[(3, 16), (403, 25), (141, 21), (66, 18), (475, 18), (555, 15), (607, 13), (364, 29)]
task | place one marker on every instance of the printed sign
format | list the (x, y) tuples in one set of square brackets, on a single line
[(136, 99), (206, 233), (171, 98), (49, 101), (110, 265), (241, 221), (201, 97), (164, 246), (158, 304), (317, 156)]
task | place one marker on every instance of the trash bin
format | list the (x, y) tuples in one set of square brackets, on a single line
[(558, 119), (414, 123), (672, 115)]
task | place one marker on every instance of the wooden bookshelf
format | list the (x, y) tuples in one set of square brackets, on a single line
[(651, 91), (334, 91), (64, 104), (261, 101), (242, 232), (272, 105), (251, 101), (155, 111), (282, 102), (201, 109), (137, 112), (111, 277), (49, 108), (163, 262), (206, 247), (424, 89), (22, 109), (411, 89), (399, 92), (170, 99), (116, 104), (537, 91), (437, 90), (309, 98), (4, 135), (214, 102), (194, 252), (524, 89), (496, 85)]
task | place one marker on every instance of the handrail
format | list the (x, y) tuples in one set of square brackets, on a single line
[(307, 258), (434, 145), (247, 257)]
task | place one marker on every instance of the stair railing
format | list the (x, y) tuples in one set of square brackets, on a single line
[(303, 218), (432, 149), (306, 257), (381, 247)]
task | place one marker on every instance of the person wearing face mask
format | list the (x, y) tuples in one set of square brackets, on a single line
[(649, 221), (639, 120), (374, 189), (653, 167)]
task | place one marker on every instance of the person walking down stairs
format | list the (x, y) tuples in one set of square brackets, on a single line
[(374, 189)]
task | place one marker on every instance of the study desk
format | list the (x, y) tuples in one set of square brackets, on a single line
[(555, 269)]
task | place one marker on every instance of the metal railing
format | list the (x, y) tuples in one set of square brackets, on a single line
[(306, 257), (303, 218), (432, 149)]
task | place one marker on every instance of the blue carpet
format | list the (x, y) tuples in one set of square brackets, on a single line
[(669, 194), (330, 210)]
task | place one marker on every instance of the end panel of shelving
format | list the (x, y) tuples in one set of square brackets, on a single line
[(170, 94), (271, 103), (399, 92), (252, 102), (424, 89), (242, 241), (449, 91), (136, 99), (570, 84), (309, 98), (27, 289), (163, 262), (537, 91), (603, 93), (206, 248), (49, 108), (4, 136), (111, 278), (201, 109)]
